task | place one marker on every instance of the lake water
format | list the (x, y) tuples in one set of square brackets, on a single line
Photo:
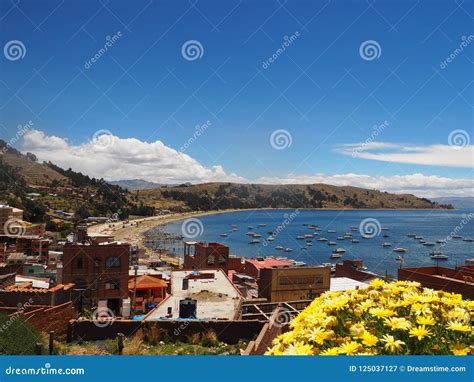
[(431, 224)]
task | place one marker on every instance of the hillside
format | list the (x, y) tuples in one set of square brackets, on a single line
[(135, 184), (456, 201), (231, 195)]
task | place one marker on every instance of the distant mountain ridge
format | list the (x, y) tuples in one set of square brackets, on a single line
[(137, 184), (456, 201)]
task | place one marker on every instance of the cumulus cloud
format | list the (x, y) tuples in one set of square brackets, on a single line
[(113, 158), (433, 155)]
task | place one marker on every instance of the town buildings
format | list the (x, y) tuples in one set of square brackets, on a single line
[(199, 255)]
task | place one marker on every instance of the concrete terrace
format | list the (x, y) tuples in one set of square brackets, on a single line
[(216, 296)]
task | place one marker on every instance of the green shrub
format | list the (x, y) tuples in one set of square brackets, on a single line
[(17, 336)]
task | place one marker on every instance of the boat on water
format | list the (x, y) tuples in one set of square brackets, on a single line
[(270, 232), (422, 241), (331, 231), (335, 255), (400, 250), (435, 255), (468, 239), (262, 225), (429, 244), (355, 241), (399, 258), (288, 250), (279, 247), (235, 229), (299, 263), (418, 237), (249, 227), (254, 241), (340, 238), (386, 244), (332, 243), (300, 237), (385, 235), (223, 235), (317, 229), (331, 266), (456, 237), (309, 243), (339, 250), (256, 235), (250, 233), (309, 235), (270, 238), (348, 234), (322, 239), (441, 241), (353, 228)]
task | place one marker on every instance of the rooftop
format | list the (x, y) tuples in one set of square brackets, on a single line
[(270, 262), (345, 283), (216, 296)]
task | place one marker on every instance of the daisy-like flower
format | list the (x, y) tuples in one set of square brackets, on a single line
[(330, 351), (458, 327), (318, 335), (396, 323), (369, 339), (349, 348), (459, 349), (425, 320), (420, 332), (299, 348), (391, 344), (381, 312), (357, 330)]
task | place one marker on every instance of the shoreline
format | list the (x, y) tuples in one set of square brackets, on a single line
[(133, 231)]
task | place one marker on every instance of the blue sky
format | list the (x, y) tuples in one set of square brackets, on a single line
[(320, 90)]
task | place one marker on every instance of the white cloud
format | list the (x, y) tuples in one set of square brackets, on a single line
[(434, 155), (115, 158)]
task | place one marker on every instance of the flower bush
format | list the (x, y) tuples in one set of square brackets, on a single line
[(385, 318)]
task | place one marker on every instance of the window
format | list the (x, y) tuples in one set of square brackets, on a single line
[(221, 259), (112, 284), (80, 284), (211, 260), (113, 262), (80, 263)]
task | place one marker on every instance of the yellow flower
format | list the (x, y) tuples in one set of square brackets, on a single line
[(357, 330), (330, 351), (318, 335), (369, 339), (458, 327), (391, 344), (381, 312), (349, 348), (420, 332), (459, 349), (377, 283), (396, 323), (299, 348), (425, 320)]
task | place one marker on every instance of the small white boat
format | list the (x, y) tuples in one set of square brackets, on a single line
[(439, 256), (353, 228), (254, 241), (355, 241), (339, 250), (340, 238), (418, 237), (348, 234), (317, 229), (441, 241), (468, 239), (399, 258), (279, 247), (235, 229), (300, 237), (309, 235), (386, 244), (429, 244), (335, 255), (456, 237), (262, 225), (288, 250), (256, 235), (223, 235), (322, 239), (332, 243), (270, 238), (331, 231), (250, 233), (309, 243), (422, 241), (399, 250)]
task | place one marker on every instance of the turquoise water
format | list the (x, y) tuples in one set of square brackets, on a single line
[(431, 224)]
